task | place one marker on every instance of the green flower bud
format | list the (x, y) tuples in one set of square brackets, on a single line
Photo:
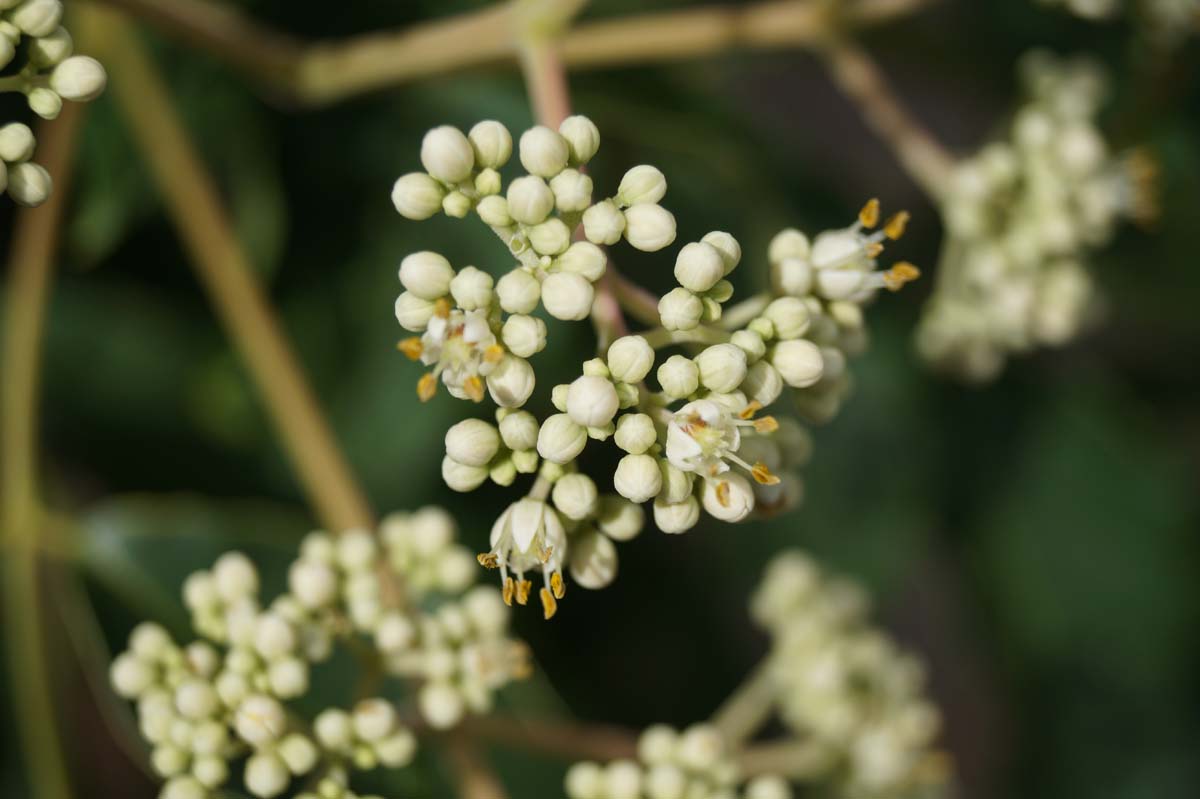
[(630, 359), (679, 377), (79, 78), (603, 223), (572, 191), (519, 430), (582, 137), (722, 367), (426, 274), (649, 227), (530, 200), (417, 196), (471, 289), (560, 440), (635, 433), (584, 259), (543, 152), (699, 266), (446, 154), (491, 144), (29, 184), (524, 336), (641, 184), (488, 182), (551, 237), (456, 205), (45, 103), (567, 296), (680, 309), (49, 50)]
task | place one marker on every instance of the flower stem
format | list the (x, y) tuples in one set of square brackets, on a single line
[(793, 759), (34, 242), (744, 312), (660, 337), (740, 716)]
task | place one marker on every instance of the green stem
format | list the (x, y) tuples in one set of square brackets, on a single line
[(746, 311), (660, 337)]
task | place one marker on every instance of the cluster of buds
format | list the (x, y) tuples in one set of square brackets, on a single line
[(844, 686), (1021, 216), (31, 30), (230, 698), (692, 764)]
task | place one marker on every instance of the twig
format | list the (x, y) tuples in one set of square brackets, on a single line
[(34, 243), (324, 72), (660, 337), (635, 300), (745, 311), (223, 268), (740, 716), (475, 778), (861, 80), (561, 739), (793, 759)]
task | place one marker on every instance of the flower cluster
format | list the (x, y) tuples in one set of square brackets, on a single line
[(844, 686), (692, 764), (36, 51), (210, 703), (1168, 20), (1021, 217)]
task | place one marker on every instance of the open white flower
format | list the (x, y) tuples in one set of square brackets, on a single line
[(529, 536), (461, 347)]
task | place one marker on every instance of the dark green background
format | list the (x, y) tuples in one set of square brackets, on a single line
[(1035, 540)]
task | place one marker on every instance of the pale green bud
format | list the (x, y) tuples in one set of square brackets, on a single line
[(763, 383), (8, 50), (551, 237), (473, 442), (649, 227), (491, 144), (488, 182), (183, 787), (299, 753), (518, 291), (584, 259), (397, 750), (679, 377), (54, 48), (793, 276), (712, 309), (530, 200), (620, 519), (789, 243), (168, 760), (635, 433), (584, 780), (680, 309), (839, 284), (266, 775), (471, 288), (751, 343), (543, 152), (790, 317), (677, 484), (575, 496), (558, 396), (210, 771), (567, 296), (592, 561), (699, 266), (412, 312), (768, 787), (511, 382), (456, 205), (727, 245), (763, 327), (526, 461), (560, 440), (519, 431), (638, 478), (446, 154), (582, 137), (641, 184), (597, 367), (426, 274), (461, 477), (29, 184), (603, 223), (572, 191), (592, 401), (798, 361), (493, 211), (676, 517), (629, 394), (37, 17), (45, 103), (417, 196), (524, 336), (79, 78), (630, 359), (722, 367)]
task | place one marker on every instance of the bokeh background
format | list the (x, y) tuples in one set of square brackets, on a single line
[(1036, 539)]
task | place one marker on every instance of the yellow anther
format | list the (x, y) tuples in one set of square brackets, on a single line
[(869, 215), (523, 589), (411, 347), (441, 308), (545, 554), (763, 475), (723, 493), (549, 604), (557, 586), (510, 588), (748, 412), (520, 664), (874, 249), (474, 388), (767, 424), (895, 226), (898, 275), (493, 354), (427, 386), (488, 560)]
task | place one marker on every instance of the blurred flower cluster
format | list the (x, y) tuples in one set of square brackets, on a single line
[(1169, 21)]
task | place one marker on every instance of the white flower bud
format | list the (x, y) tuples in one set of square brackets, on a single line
[(630, 359), (584, 259), (530, 200), (493, 211), (130, 675), (299, 753), (592, 401), (196, 699), (793, 276), (638, 478), (676, 517), (334, 730), (235, 576), (592, 560), (426, 274), (8, 51), (456, 205), (79, 78), (799, 362), (314, 584), (641, 184), (16, 142), (679, 377), (184, 787), (839, 284), (397, 749), (560, 439), (769, 786), (789, 243), (524, 336), (750, 343), (259, 720), (288, 677), (666, 781), (551, 237), (585, 781), (582, 137), (373, 719), (412, 312), (700, 746), (722, 367), (519, 291), (649, 227), (210, 771), (572, 191), (471, 289), (37, 17), (677, 484), (790, 317), (763, 383), (620, 519), (473, 442), (168, 760), (519, 431), (567, 296), (356, 552), (699, 266), (511, 382), (635, 433), (727, 245), (460, 477), (440, 705), (603, 223), (623, 780), (730, 503), (543, 152), (680, 309), (491, 143), (29, 184), (266, 775), (657, 744), (417, 196), (488, 183), (575, 496), (446, 154)]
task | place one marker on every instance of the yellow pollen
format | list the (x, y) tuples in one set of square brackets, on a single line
[(898, 275), (545, 554), (557, 586), (523, 589), (873, 249), (751, 409), (441, 308), (767, 424), (509, 588), (493, 354), (411, 347), (869, 215), (549, 605), (474, 388), (723, 493), (763, 476), (427, 386), (488, 560), (895, 226)]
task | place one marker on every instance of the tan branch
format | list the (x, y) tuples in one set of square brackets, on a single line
[(475, 778), (568, 740)]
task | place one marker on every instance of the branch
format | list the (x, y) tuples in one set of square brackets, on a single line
[(793, 759), (34, 243), (319, 73), (475, 778), (740, 716), (569, 740)]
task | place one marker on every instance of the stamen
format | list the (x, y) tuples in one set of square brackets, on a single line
[(723, 493), (545, 554), (869, 215), (523, 589), (427, 386), (411, 347), (748, 412), (557, 586), (874, 249), (762, 475), (898, 275), (441, 308), (493, 354), (509, 588), (767, 424), (895, 226), (474, 388), (549, 605), (488, 560)]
